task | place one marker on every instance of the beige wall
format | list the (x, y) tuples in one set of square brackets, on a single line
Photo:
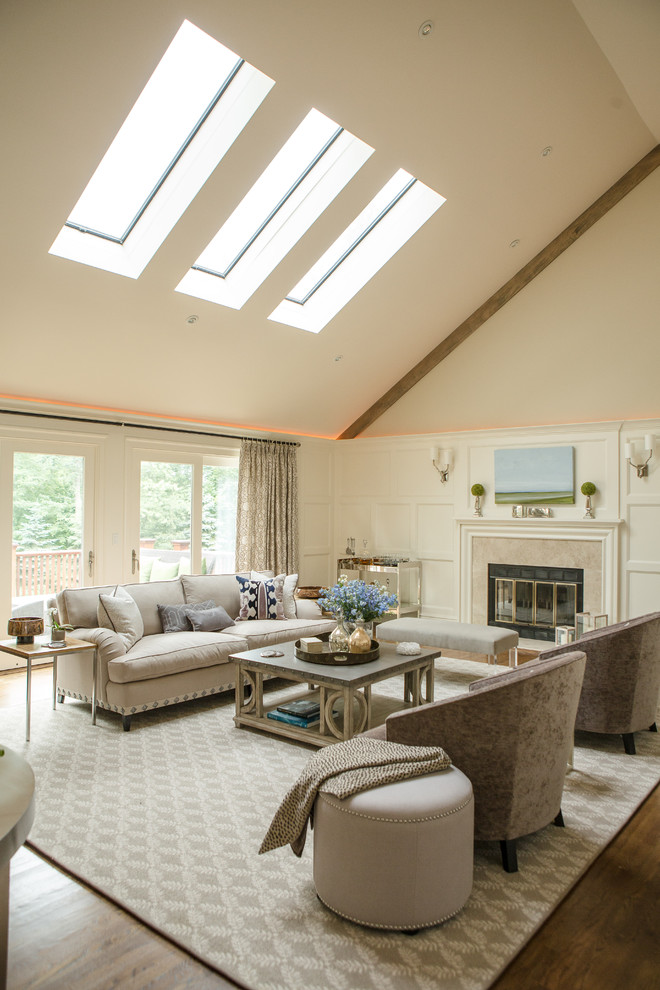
[(580, 344)]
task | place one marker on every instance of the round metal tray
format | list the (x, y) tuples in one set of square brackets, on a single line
[(337, 659)]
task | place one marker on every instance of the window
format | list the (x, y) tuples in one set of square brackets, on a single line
[(308, 172), (384, 226), (198, 100)]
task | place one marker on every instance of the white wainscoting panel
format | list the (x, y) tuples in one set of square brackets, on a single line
[(643, 593), (435, 530), (354, 519), (317, 569), (414, 476), (391, 527), (316, 525), (315, 466), (644, 533), (364, 472), (439, 589)]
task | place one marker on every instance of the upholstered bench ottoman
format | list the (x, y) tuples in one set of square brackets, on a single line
[(464, 636), (399, 856)]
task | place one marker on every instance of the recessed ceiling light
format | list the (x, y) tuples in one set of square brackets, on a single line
[(515, 243), (192, 319), (546, 151), (425, 29), (339, 357)]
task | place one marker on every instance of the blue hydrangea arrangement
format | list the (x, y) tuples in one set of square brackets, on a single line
[(354, 600)]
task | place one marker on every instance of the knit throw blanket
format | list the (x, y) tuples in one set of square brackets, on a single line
[(344, 769)]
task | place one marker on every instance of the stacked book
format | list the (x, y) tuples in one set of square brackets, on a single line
[(302, 713)]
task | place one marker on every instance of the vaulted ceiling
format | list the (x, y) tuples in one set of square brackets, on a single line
[(469, 109)]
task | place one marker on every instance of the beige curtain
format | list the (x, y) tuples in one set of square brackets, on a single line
[(267, 510)]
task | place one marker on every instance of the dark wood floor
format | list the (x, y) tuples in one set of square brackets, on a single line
[(604, 936)]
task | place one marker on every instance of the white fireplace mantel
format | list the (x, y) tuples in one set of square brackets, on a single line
[(593, 534)]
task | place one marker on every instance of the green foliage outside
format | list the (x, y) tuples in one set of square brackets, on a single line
[(166, 501), (48, 501)]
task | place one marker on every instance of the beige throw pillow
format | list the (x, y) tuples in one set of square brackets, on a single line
[(120, 613)]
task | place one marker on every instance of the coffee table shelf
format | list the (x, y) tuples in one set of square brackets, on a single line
[(346, 687)]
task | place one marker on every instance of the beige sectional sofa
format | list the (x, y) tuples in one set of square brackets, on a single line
[(141, 667)]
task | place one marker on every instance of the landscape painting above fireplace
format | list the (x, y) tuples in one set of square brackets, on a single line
[(534, 475)]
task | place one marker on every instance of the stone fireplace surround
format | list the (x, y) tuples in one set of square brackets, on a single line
[(590, 545)]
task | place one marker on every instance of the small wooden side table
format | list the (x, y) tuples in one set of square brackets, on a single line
[(40, 650)]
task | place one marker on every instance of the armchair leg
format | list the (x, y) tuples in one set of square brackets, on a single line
[(629, 743), (126, 722), (653, 728), (509, 855), (559, 820)]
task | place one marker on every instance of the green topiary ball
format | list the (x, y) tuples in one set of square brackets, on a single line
[(478, 490), (588, 488)]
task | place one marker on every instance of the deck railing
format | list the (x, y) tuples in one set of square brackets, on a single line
[(45, 572)]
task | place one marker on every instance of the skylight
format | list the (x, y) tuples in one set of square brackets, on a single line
[(384, 226), (307, 173), (198, 100)]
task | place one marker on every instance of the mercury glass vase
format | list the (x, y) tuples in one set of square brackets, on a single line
[(339, 637), (360, 641)]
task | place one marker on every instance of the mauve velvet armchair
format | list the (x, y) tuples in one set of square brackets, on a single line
[(512, 735), (621, 686)]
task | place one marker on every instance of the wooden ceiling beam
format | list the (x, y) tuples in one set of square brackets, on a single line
[(550, 253)]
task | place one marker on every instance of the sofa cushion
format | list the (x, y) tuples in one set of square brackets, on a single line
[(261, 599), (221, 588), (172, 653), (123, 616), (213, 619), (149, 596), (78, 606), (174, 618), (266, 632)]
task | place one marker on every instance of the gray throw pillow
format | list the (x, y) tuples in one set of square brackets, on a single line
[(208, 620), (174, 618), (120, 613)]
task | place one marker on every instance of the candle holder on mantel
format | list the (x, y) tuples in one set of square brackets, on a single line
[(588, 489), (25, 628), (478, 491)]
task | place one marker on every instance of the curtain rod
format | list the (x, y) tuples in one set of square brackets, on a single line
[(143, 426)]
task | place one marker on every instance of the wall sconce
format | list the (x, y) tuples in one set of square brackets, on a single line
[(629, 450), (443, 460)]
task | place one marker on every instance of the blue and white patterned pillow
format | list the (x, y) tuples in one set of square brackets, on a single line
[(261, 599)]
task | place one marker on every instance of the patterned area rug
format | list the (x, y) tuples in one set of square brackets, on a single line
[(167, 820)]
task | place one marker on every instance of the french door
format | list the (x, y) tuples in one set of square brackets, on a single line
[(47, 517), (181, 513)]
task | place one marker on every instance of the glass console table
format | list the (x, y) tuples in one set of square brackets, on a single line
[(402, 578)]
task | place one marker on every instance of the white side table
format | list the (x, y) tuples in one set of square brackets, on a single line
[(39, 650), (16, 817)]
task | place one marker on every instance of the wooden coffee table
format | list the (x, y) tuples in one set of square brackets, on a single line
[(347, 684)]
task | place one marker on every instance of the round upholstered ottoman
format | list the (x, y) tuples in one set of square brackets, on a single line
[(397, 856)]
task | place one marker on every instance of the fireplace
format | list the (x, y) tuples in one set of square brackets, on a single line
[(533, 600), (591, 546)]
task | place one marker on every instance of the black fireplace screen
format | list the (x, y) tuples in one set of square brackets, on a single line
[(534, 600)]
